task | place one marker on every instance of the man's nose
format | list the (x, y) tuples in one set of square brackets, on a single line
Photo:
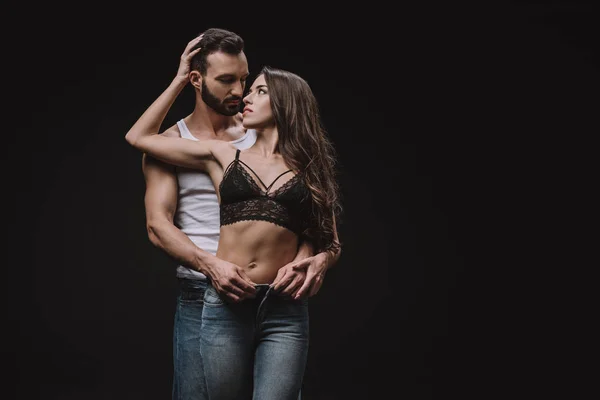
[(238, 89)]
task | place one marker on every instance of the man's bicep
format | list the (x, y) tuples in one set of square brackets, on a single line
[(161, 188)]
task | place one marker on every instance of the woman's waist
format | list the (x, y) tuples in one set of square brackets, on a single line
[(261, 265), (259, 247)]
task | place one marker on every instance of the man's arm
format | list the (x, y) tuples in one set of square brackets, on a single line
[(316, 266), (161, 203), (307, 271)]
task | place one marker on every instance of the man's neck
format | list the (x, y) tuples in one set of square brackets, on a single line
[(205, 123)]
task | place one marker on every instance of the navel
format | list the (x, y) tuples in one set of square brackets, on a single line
[(252, 265)]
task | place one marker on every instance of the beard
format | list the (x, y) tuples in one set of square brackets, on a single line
[(219, 106)]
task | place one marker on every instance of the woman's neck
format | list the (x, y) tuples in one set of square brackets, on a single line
[(267, 142)]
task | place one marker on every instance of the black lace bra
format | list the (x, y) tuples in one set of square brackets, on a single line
[(242, 199)]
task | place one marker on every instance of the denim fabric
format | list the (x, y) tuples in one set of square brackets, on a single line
[(255, 349), (188, 373)]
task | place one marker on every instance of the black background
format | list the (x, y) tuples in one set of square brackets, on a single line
[(453, 124)]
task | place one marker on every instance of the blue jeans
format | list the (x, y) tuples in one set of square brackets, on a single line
[(188, 372), (255, 349)]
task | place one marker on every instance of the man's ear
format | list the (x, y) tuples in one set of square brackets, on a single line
[(196, 79)]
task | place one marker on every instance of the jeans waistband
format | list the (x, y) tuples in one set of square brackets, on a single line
[(186, 283)]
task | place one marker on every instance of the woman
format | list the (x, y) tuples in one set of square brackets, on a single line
[(272, 196)]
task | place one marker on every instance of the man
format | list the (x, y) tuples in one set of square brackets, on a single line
[(182, 210)]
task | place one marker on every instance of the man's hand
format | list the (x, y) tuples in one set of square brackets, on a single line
[(230, 280), (315, 268), (183, 72), (289, 279), (303, 277)]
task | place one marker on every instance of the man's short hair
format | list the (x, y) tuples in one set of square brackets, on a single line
[(214, 40)]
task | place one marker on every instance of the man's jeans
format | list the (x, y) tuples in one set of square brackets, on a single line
[(188, 373), (257, 348)]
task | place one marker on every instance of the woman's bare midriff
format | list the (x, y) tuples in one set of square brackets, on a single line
[(260, 247)]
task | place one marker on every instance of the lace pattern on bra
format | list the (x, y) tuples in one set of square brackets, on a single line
[(242, 199), (257, 210), (229, 173)]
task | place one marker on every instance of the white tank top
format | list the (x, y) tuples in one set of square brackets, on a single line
[(197, 212)]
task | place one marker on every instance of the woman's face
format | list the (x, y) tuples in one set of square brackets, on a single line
[(257, 111)]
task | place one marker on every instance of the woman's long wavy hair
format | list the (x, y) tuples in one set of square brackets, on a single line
[(305, 146)]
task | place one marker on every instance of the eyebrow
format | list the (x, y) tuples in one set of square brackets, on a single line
[(250, 89), (259, 86), (230, 76)]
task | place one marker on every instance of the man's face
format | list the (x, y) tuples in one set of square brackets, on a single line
[(224, 83)]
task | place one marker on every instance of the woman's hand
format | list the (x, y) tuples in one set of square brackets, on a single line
[(183, 72)]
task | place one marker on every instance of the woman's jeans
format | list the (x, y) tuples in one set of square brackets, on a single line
[(254, 349)]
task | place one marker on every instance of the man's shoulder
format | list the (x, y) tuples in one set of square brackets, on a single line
[(239, 118), (239, 123), (237, 131)]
